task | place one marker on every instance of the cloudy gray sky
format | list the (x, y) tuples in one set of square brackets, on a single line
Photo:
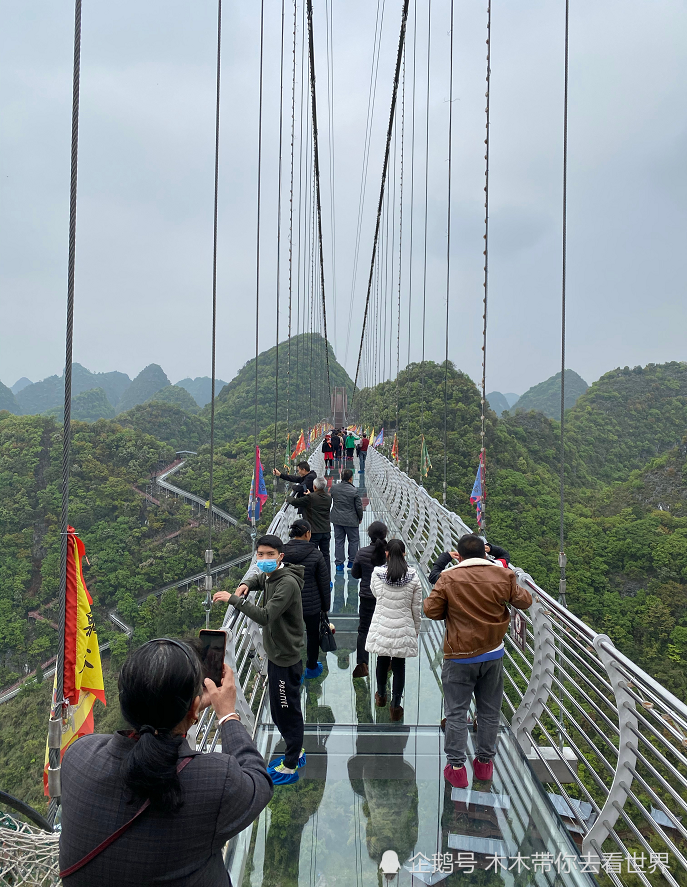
[(144, 247)]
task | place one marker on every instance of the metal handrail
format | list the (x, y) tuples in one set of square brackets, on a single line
[(594, 725)]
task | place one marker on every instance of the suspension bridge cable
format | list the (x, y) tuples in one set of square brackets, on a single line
[(257, 243), (487, 143), (293, 136), (400, 244), (448, 258), (208, 553), (412, 214), (316, 155), (281, 134), (392, 113), (59, 707), (424, 259), (371, 97), (300, 200), (561, 555), (329, 15)]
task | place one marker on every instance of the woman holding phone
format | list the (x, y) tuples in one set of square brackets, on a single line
[(184, 806)]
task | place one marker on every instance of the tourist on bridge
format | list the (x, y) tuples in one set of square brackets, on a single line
[(346, 516), (367, 558), (315, 508), (281, 617), (471, 598), (327, 451), (363, 447), (197, 802), (395, 624), (316, 592), (336, 448), (305, 477), (349, 443)]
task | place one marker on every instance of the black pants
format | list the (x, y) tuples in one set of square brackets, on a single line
[(398, 668), (322, 541), (312, 634), (285, 706), (366, 607), (337, 457)]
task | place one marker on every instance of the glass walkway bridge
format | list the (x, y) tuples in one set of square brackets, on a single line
[(590, 777)]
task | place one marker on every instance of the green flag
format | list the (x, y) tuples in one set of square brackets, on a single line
[(425, 461)]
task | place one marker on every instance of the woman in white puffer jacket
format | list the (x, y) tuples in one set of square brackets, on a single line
[(395, 624)]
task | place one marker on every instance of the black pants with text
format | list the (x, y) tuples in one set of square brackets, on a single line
[(285, 706)]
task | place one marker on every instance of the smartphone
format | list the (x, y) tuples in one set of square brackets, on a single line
[(213, 645)]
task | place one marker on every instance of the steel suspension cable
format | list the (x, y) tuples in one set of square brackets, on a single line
[(412, 214), (424, 259), (257, 247), (329, 15), (276, 375), (293, 136), (316, 155), (562, 560), (59, 709), (208, 553), (448, 259), (392, 113), (400, 245), (487, 143)]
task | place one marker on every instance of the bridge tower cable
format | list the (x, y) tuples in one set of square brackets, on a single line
[(562, 559), (58, 712), (209, 552), (448, 254), (257, 250), (385, 167), (278, 270), (487, 143), (316, 159)]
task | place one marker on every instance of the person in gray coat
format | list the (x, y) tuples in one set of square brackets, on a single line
[(346, 516), (196, 802), (315, 508)]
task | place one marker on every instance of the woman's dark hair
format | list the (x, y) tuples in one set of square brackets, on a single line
[(377, 532), (157, 686), (398, 565), (298, 529)]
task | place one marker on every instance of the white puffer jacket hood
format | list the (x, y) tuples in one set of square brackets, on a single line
[(397, 617)]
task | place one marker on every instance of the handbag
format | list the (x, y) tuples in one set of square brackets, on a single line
[(113, 837), (327, 639)]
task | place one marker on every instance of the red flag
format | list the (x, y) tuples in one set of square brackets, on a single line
[(300, 446)]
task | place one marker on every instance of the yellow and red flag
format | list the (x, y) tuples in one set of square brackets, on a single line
[(83, 673), (394, 449), (300, 446)]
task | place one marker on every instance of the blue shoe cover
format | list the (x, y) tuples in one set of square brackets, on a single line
[(311, 673)]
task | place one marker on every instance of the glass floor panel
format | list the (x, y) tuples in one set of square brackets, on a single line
[(372, 789)]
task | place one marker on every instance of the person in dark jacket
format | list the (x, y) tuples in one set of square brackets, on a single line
[(336, 448), (316, 593), (493, 552), (179, 840), (315, 507), (346, 515), (281, 617), (367, 558), (327, 451), (305, 477)]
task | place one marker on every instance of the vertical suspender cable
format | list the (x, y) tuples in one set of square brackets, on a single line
[(412, 214), (316, 158), (208, 553), (257, 250), (561, 555), (424, 260), (293, 136), (400, 244), (59, 711), (487, 142), (385, 166), (276, 375), (448, 257)]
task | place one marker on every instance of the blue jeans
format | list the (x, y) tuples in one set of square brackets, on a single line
[(340, 536), (361, 459), (460, 681)]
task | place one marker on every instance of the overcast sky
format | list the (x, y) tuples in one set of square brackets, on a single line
[(144, 239)]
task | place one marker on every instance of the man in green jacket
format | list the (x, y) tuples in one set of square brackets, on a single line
[(281, 618)]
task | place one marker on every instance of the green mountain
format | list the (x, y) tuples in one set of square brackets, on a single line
[(546, 396), (8, 401), (89, 406), (20, 384), (304, 386), (147, 383), (167, 423), (200, 388), (43, 396), (497, 402), (178, 397)]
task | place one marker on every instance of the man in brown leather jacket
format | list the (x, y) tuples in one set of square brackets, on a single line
[(471, 597)]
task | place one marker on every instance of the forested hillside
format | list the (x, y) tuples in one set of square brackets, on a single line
[(546, 396)]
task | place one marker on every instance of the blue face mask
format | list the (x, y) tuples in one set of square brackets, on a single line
[(268, 566)]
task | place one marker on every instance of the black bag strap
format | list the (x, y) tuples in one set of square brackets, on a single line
[(113, 837)]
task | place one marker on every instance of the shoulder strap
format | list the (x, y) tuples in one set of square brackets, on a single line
[(113, 837)]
